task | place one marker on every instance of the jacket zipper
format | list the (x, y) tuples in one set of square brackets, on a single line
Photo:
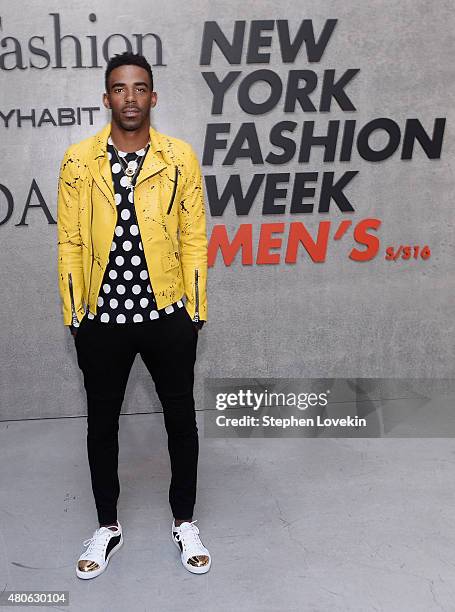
[(75, 320), (196, 291), (87, 306), (173, 191), (134, 213)]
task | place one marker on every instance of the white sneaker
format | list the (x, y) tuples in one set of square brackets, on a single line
[(100, 548), (194, 555)]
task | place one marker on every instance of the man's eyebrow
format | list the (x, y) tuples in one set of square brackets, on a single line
[(118, 84)]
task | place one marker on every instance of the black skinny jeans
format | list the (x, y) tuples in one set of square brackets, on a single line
[(105, 354)]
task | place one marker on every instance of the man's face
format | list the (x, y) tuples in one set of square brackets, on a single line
[(129, 97)]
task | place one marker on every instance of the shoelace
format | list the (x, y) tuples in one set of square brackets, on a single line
[(191, 539), (96, 543)]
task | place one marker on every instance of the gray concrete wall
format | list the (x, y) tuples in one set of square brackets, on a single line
[(336, 318)]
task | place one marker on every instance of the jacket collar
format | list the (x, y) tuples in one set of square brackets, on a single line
[(100, 141), (100, 167)]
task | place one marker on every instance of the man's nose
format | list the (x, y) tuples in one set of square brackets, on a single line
[(130, 95)]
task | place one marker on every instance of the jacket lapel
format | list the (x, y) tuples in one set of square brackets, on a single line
[(100, 167), (153, 162)]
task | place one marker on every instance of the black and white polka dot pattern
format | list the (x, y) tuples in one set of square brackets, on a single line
[(126, 295)]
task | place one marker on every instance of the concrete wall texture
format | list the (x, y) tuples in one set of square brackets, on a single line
[(333, 318)]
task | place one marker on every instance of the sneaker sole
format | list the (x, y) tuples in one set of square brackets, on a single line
[(95, 573), (190, 568)]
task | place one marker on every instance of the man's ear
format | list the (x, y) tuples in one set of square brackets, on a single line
[(106, 101)]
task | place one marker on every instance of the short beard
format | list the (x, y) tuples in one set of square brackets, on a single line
[(127, 126)]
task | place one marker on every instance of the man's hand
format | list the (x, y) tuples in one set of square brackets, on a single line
[(73, 330)]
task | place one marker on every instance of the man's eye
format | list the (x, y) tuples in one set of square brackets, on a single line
[(141, 89)]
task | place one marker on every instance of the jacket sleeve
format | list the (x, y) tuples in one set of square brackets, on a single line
[(70, 276), (193, 238)]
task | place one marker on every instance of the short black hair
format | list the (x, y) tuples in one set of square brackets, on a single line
[(127, 59)]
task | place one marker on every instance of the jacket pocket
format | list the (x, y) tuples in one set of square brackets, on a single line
[(176, 175), (170, 261)]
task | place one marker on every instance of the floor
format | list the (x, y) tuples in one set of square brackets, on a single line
[(292, 524)]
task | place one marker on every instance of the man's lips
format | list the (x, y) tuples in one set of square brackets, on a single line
[(131, 112)]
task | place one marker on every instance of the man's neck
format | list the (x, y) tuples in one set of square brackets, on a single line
[(130, 141)]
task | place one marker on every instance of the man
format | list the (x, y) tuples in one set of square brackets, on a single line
[(132, 246)]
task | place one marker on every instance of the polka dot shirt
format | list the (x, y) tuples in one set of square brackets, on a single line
[(126, 295)]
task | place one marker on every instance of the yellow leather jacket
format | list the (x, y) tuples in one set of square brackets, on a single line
[(169, 203)]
